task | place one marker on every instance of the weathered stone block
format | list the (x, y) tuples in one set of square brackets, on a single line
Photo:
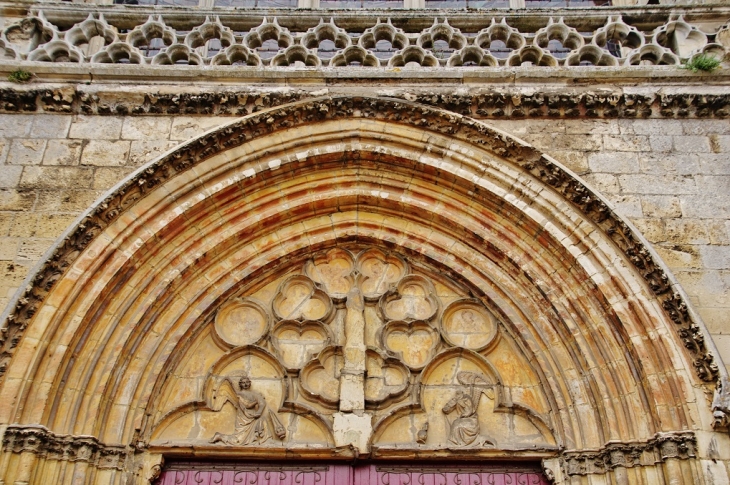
[(714, 164), (595, 127), (26, 152), (575, 161), (706, 206), (626, 143), (4, 149), (16, 200), (719, 231), (53, 225), (660, 143), (715, 318), (687, 231), (657, 184), (603, 182), (50, 126), (6, 220), (10, 176), (32, 249), (652, 229), (714, 184), (53, 177), (715, 257), (661, 206), (670, 163), (550, 142), (15, 126), (692, 144), (517, 128), (12, 274), (607, 162), (657, 127), (96, 128), (720, 143), (704, 126), (66, 200), (142, 151), (8, 248), (627, 205), (146, 128), (105, 178), (24, 225), (680, 257), (105, 153), (62, 152), (186, 127)]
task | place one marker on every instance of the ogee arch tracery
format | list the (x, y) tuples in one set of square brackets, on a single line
[(591, 348)]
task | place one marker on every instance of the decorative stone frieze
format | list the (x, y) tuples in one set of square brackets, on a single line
[(662, 447), (41, 442), (483, 104)]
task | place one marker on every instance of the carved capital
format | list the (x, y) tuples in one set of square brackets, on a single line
[(663, 446), (44, 443)]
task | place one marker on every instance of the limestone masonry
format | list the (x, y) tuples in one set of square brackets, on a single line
[(362, 245)]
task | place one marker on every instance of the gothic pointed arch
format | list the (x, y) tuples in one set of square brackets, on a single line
[(366, 274)]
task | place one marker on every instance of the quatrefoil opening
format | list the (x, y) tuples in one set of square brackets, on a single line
[(379, 272), (299, 299), (385, 377), (296, 342), (414, 298), (320, 378), (332, 271), (413, 342)]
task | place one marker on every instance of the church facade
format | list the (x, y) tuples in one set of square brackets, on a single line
[(364, 242)]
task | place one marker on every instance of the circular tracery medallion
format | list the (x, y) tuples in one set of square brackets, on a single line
[(466, 323)]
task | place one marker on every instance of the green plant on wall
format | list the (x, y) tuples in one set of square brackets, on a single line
[(702, 62), (20, 76)]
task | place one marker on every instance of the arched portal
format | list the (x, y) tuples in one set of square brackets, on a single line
[(355, 277)]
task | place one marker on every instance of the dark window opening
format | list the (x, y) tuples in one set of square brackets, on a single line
[(566, 3), (361, 3)]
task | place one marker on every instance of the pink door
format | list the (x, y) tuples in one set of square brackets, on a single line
[(342, 474)]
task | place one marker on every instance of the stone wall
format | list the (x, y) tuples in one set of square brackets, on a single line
[(670, 178)]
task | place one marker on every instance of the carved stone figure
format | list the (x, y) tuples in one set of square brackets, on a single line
[(465, 428), (255, 423)]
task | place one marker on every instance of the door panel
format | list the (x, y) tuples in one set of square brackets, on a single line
[(374, 475), (324, 475), (370, 474)]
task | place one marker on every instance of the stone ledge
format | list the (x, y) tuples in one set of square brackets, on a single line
[(417, 19), (210, 76), (508, 102)]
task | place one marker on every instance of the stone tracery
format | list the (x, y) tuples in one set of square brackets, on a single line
[(325, 379), (483, 249), (671, 40)]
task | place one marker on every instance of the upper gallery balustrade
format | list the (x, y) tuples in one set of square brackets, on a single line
[(318, 38)]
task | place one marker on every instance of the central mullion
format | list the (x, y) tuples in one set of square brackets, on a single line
[(352, 377)]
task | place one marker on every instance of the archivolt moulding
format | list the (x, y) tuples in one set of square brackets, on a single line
[(482, 174)]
